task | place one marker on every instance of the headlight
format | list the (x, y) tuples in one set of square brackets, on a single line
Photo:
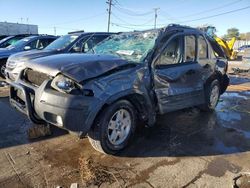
[(11, 64), (63, 84)]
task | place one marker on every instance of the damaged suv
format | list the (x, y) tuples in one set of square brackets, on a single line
[(126, 79)]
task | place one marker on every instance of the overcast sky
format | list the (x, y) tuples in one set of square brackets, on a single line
[(91, 15)]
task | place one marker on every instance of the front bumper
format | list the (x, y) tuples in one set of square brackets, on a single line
[(43, 104)]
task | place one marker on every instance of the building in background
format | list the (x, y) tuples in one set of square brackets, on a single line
[(7, 28)]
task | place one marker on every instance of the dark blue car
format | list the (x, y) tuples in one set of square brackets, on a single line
[(10, 40), (74, 42), (25, 44)]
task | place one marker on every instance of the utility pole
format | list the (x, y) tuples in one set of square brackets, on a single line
[(109, 2), (155, 9), (55, 31), (27, 21)]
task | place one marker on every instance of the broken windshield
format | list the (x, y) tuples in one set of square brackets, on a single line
[(132, 46)]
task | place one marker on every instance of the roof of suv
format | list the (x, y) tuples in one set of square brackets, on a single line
[(90, 33), (41, 36)]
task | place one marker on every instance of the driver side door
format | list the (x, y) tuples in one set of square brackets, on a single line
[(177, 75)]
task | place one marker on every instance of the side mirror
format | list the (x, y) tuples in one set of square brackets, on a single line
[(27, 48), (76, 49)]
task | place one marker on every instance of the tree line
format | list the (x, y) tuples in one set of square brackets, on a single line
[(234, 32)]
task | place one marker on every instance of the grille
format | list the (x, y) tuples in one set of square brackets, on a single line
[(34, 77)]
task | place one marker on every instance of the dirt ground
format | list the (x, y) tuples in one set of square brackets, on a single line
[(187, 148)]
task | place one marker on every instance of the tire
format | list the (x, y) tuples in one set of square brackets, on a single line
[(113, 128), (212, 95), (2, 68)]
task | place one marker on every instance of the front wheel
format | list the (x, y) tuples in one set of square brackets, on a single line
[(113, 128), (212, 95), (2, 71)]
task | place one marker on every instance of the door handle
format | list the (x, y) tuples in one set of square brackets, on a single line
[(190, 72)]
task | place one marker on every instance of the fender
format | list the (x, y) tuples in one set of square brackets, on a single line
[(123, 94)]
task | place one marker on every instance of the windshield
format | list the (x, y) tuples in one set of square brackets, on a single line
[(9, 41), (20, 43), (132, 46), (4, 39), (62, 42)]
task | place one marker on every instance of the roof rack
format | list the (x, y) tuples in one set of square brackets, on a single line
[(46, 35), (73, 32), (180, 26)]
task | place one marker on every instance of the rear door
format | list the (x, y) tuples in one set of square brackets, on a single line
[(177, 75)]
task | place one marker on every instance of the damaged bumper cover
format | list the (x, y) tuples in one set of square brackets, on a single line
[(43, 104)]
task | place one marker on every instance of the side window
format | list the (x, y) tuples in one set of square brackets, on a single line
[(172, 53), (90, 43), (78, 46), (42, 43), (98, 39), (203, 48), (189, 48), (32, 44), (87, 43), (51, 40)]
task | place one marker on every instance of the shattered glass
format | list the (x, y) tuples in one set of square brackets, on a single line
[(132, 46)]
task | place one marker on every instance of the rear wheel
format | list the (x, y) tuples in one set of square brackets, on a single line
[(113, 128), (212, 95)]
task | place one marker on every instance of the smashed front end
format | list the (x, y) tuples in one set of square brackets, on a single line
[(59, 101)]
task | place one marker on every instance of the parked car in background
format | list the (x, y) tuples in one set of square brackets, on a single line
[(126, 78), (25, 44), (243, 48), (246, 56), (75, 42), (3, 36), (11, 40)]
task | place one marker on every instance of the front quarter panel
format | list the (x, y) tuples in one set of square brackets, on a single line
[(111, 88)]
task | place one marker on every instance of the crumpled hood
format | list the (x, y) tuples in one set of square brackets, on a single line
[(32, 54), (78, 67)]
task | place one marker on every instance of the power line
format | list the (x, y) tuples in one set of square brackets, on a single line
[(202, 18), (131, 12), (77, 20), (210, 10), (216, 15), (130, 24), (119, 25)]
